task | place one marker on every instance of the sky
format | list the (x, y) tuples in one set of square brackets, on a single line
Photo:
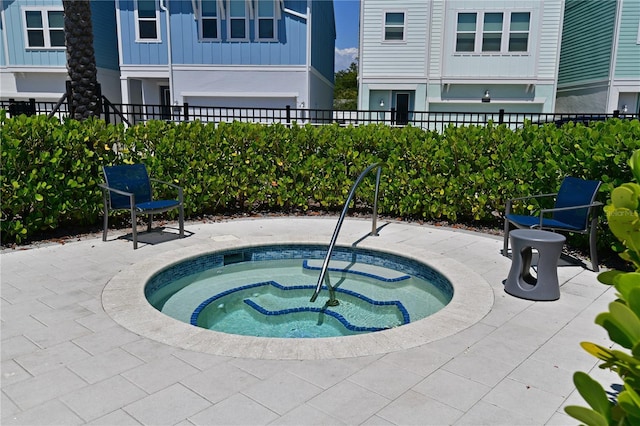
[(347, 13)]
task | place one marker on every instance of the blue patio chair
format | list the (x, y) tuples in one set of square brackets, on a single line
[(128, 187), (575, 210)]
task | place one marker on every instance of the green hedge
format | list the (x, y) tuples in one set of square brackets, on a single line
[(50, 170)]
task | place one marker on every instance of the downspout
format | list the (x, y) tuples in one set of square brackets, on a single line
[(5, 40), (165, 9), (614, 58), (308, 73)]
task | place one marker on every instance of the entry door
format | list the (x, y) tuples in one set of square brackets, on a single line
[(402, 108), (165, 103)]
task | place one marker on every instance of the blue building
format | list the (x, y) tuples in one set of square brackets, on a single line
[(227, 53), (33, 55)]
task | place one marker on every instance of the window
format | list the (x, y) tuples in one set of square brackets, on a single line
[(238, 23), (466, 32), (266, 20), (492, 32), (44, 28), (394, 26), (519, 32), (148, 20), (494, 36), (209, 22)]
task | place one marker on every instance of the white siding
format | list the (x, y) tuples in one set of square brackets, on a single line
[(437, 38), (394, 59), (550, 36), (543, 41)]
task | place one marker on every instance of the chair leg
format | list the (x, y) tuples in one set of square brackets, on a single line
[(105, 219), (505, 245), (105, 224), (150, 222), (592, 245), (181, 220), (134, 228)]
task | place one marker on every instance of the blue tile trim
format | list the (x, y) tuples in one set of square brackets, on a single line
[(336, 315), (305, 265), (299, 251), (406, 319)]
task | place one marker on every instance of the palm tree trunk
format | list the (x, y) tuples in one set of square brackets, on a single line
[(81, 61)]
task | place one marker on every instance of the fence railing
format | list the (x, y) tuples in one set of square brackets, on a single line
[(136, 113)]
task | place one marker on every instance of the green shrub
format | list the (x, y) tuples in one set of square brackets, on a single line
[(51, 169), (622, 320)]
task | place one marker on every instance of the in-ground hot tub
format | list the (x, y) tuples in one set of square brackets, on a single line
[(124, 299)]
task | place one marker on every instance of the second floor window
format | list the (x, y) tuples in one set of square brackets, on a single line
[(266, 19), (394, 26), (519, 32), (44, 28), (147, 20), (488, 32), (209, 22), (238, 22)]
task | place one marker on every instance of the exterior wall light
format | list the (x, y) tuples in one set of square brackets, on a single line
[(625, 109), (381, 103), (486, 97)]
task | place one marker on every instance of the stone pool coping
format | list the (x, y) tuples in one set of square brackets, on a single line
[(124, 301)]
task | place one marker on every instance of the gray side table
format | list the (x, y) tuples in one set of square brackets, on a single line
[(520, 282)]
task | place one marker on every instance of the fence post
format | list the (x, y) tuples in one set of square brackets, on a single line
[(393, 115), (501, 116), (70, 107), (616, 113), (186, 111), (288, 114)]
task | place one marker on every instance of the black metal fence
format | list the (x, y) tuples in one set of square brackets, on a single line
[(134, 113)]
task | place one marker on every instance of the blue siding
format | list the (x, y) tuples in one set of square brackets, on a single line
[(18, 55), (146, 53), (290, 49), (323, 38), (104, 25), (103, 17)]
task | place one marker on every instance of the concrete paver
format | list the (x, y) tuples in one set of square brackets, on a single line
[(65, 360)]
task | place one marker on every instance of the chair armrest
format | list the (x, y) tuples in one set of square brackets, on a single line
[(173, 185), (117, 191), (559, 209), (510, 201)]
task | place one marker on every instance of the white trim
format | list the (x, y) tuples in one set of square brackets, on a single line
[(404, 25), (5, 39), (200, 21), (238, 68), (36, 69), (297, 14), (137, 19), (394, 87), (246, 22), (27, 95), (45, 26), (240, 94), (274, 18), (439, 100), (479, 32)]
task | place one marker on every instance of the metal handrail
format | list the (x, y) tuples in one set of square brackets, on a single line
[(374, 231)]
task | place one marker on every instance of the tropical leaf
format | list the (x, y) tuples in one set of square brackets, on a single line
[(593, 394), (586, 415)]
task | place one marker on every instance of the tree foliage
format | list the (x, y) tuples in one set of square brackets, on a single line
[(345, 92)]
